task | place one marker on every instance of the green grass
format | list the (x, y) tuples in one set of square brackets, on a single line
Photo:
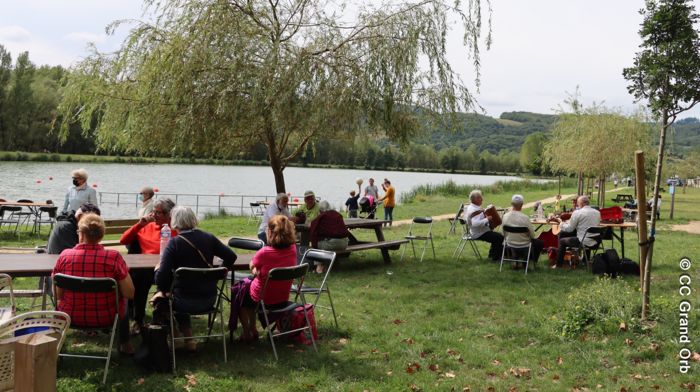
[(453, 323)]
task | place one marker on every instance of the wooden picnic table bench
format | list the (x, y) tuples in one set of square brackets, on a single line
[(118, 226), (390, 245), (623, 198)]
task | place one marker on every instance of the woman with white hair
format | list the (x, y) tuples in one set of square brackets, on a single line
[(192, 248), (80, 192), (279, 207), (328, 231)]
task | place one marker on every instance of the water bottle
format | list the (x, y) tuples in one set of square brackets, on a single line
[(165, 234), (540, 212)]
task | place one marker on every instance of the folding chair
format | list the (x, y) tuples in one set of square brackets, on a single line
[(185, 277), (11, 218), (56, 322), (79, 284), (466, 238), (275, 313), (257, 211), (245, 244), (51, 213), (319, 256), (25, 216), (595, 233), (516, 250), (413, 236), (6, 283)]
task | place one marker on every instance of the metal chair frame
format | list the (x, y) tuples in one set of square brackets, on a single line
[(39, 220), (507, 246), (6, 282), (466, 238), (187, 276), (280, 274), (323, 256), (411, 236), (257, 211), (595, 233), (80, 284)]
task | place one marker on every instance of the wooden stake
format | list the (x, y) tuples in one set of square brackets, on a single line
[(641, 214), (35, 363)]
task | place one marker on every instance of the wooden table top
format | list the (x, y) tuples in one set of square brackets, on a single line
[(623, 225), (351, 223), (41, 264), (22, 204)]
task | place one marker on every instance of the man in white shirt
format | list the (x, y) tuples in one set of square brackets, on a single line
[(279, 207), (80, 192), (372, 189), (583, 218), (515, 218), (146, 196), (480, 225)]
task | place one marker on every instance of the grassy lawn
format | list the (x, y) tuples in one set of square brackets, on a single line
[(446, 324)]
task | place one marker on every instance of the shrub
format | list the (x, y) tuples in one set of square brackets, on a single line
[(600, 307), (55, 158)]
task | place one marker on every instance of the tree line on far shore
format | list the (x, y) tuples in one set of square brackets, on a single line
[(30, 94)]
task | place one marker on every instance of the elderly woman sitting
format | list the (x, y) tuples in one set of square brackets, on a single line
[(192, 248), (90, 259), (328, 232), (144, 237), (281, 251)]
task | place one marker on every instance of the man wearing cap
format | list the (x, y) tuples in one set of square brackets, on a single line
[(515, 218), (310, 207)]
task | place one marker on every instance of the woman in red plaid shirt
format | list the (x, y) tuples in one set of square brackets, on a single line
[(90, 259)]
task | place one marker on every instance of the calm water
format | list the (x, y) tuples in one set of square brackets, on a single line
[(42, 181)]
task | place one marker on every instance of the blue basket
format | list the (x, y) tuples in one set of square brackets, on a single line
[(30, 330)]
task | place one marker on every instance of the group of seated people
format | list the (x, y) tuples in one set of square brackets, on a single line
[(327, 229), (572, 232), (84, 256)]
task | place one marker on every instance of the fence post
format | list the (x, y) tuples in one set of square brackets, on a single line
[(196, 208)]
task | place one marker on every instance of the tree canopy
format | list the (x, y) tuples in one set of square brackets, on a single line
[(214, 77)]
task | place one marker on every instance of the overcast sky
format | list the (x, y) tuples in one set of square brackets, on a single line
[(541, 49)]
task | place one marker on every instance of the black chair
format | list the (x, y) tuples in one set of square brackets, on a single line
[(273, 313), (25, 216), (319, 256), (92, 286), (257, 211), (185, 277), (245, 244), (516, 250), (596, 233), (51, 213), (420, 236)]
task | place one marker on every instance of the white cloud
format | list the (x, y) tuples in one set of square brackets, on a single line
[(83, 37), (14, 34)]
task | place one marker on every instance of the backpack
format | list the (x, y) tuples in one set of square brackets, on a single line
[(294, 319), (154, 352), (599, 265), (628, 267)]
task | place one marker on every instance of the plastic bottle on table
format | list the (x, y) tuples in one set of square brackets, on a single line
[(540, 212), (165, 234)]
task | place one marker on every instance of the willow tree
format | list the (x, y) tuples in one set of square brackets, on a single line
[(595, 141), (211, 78)]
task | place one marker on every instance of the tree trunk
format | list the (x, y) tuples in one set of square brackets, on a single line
[(640, 188), (652, 232), (278, 172), (579, 187)]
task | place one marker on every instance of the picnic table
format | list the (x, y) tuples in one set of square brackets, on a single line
[(623, 198), (359, 223), (33, 208), (621, 237)]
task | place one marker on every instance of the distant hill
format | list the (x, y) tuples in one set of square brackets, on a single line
[(684, 135), (505, 133)]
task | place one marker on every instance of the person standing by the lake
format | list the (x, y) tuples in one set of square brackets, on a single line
[(146, 196), (389, 201), (372, 190), (351, 203), (80, 192)]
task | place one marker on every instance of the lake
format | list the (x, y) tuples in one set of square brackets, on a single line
[(206, 187)]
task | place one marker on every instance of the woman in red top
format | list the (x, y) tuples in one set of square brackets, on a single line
[(328, 232), (144, 237), (281, 251), (92, 260)]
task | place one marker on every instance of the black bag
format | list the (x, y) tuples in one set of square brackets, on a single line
[(599, 265), (628, 267), (613, 261), (154, 353)]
